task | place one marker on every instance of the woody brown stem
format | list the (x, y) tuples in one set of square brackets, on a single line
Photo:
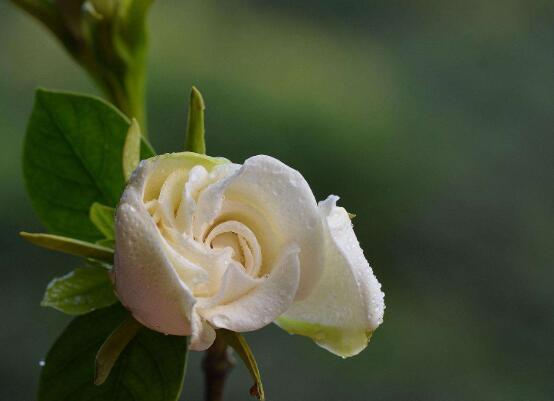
[(216, 366)]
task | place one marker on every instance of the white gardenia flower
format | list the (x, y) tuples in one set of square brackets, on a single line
[(202, 243)]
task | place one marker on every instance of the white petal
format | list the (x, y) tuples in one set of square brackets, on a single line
[(235, 283), (213, 262), (348, 304), (211, 199), (154, 171), (243, 242), (148, 276), (170, 196), (145, 280), (197, 179), (203, 334), (258, 261), (284, 202), (264, 302)]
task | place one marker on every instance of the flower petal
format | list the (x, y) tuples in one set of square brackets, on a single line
[(147, 274), (154, 171), (142, 271), (348, 304), (197, 179), (263, 303), (235, 283), (284, 201), (203, 334), (210, 199)]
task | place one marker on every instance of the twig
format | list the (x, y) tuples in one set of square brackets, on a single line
[(216, 365)]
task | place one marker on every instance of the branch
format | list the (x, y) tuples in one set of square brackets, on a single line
[(216, 366)]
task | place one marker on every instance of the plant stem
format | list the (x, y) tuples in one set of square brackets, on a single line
[(216, 366)]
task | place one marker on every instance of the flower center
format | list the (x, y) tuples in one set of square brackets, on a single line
[(237, 236)]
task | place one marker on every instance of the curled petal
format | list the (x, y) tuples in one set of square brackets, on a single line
[(149, 277), (282, 198), (203, 335), (197, 179), (263, 303), (234, 284), (210, 200), (143, 271), (347, 305)]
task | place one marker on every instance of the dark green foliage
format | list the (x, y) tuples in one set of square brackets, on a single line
[(72, 159), (151, 367)]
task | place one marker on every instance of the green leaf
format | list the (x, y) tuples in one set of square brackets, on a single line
[(131, 150), (70, 246), (81, 291), (108, 243), (98, 263), (72, 158), (113, 347), (241, 347), (195, 126), (151, 367), (103, 218)]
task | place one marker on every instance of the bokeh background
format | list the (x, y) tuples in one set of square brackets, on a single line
[(432, 120)]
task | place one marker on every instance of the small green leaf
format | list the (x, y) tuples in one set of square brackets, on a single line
[(195, 126), (113, 347), (131, 150), (108, 243), (239, 344), (98, 263), (103, 218), (72, 158), (70, 245), (151, 367), (81, 291)]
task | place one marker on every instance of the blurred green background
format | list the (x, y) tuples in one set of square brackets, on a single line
[(432, 120)]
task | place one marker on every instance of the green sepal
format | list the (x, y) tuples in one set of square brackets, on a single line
[(81, 291), (194, 141), (102, 217), (131, 150), (241, 347), (113, 347), (70, 246), (150, 368)]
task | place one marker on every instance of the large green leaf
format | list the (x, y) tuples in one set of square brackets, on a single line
[(72, 158), (81, 291), (150, 369)]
